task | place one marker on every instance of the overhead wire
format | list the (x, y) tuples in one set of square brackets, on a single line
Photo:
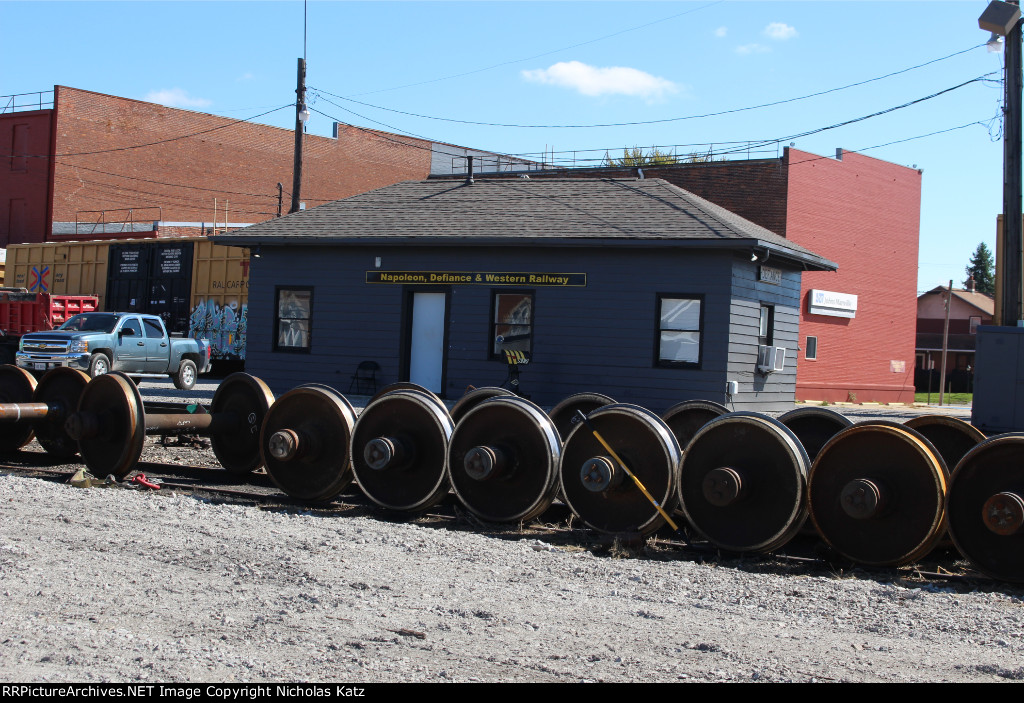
[(165, 183), (149, 144), (749, 144), (322, 92), (541, 55)]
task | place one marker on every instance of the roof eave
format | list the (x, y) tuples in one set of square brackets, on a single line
[(806, 261)]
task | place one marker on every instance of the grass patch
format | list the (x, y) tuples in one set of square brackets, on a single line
[(949, 399)]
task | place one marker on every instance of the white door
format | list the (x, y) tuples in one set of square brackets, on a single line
[(426, 352)]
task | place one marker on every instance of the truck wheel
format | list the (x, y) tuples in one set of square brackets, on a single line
[(185, 379), (99, 364)]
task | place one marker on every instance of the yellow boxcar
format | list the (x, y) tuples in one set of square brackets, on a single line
[(218, 298), (61, 268)]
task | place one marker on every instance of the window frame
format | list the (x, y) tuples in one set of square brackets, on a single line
[(807, 348), (277, 346), (767, 339), (667, 363), (492, 315)]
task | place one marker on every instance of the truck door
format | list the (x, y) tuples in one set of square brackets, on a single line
[(130, 352), (158, 346)]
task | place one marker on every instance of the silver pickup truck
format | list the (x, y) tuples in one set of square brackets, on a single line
[(98, 342)]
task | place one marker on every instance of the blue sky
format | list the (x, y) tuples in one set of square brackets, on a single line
[(568, 63)]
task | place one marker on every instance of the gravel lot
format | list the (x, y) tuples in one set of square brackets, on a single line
[(117, 585)]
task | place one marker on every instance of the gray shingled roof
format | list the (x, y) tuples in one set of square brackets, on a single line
[(510, 212)]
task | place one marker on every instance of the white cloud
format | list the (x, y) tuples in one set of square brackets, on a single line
[(721, 32), (246, 77), (175, 97), (747, 49), (780, 31), (595, 81)]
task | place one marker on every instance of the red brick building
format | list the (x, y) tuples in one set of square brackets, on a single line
[(857, 341), (89, 158)]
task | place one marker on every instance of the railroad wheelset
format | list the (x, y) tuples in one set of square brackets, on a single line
[(474, 397), (398, 449), (598, 489), (876, 494), (111, 423), (742, 484), (28, 407), (503, 460), (985, 506), (685, 419), (814, 427), (304, 441), (564, 416), (952, 437)]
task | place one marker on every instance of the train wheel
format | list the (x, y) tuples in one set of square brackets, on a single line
[(247, 400), (398, 452), (473, 398), (305, 442), (115, 443), (743, 482), (985, 505), (595, 486), (564, 416), (16, 386), (814, 427), (63, 388), (503, 460), (952, 437), (685, 419), (876, 494)]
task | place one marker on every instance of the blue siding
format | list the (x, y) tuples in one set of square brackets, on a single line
[(757, 391), (598, 338)]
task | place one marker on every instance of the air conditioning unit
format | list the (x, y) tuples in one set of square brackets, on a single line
[(771, 359)]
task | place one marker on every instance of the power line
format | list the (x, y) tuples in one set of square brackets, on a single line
[(148, 144), (323, 92), (747, 146), (164, 183), (546, 53)]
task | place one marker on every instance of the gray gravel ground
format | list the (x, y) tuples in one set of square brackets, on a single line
[(118, 585)]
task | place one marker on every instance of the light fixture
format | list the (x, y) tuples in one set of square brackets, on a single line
[(994, 45), (753, 256), (999, 18), (255, 253), (304, 115)]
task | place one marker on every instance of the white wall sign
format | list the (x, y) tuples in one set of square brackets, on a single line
[(770, 275), (826, 302)]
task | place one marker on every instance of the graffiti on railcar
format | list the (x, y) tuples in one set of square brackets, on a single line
[(223, 325)]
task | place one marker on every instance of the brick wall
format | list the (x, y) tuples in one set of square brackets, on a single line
[(239, 164), (23, 179), (864, 214)]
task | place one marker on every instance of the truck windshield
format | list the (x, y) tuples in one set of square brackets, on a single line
[(90, 323)]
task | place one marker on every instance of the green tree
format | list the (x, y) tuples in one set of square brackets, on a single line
[(981, 267), (655, 157)]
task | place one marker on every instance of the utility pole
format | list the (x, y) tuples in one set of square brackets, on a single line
[(945, 343), (1003, 20), (301, 115), (1013, 227)]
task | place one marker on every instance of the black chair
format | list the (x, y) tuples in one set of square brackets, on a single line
[(365, 377)]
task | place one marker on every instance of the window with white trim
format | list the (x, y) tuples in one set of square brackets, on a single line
[(680, 323)]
